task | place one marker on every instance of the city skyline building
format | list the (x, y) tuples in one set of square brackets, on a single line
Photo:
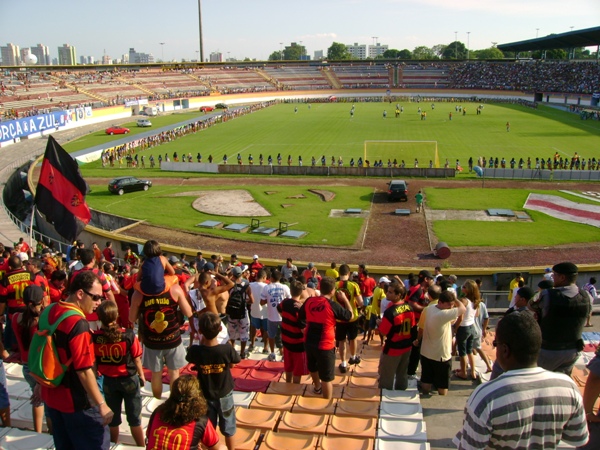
[(67, 55), (11, 55), (42, 53)]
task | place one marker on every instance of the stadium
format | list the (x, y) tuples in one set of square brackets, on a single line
[(302, 111)]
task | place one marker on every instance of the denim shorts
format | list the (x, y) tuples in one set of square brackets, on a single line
[(272, 329), (258, 323), (127, 389), (464, 340), (223, 409), (154, 360)]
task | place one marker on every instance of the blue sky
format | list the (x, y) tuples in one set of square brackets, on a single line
[(254, 29)]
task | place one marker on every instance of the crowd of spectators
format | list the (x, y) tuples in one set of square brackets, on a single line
[(529, 76)]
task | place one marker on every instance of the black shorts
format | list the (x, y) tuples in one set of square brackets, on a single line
[(321, 361), (345, 330), (436, 372)]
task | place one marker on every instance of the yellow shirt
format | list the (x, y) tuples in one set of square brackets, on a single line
[(354, 291), (332, 273), (378, 295), (421, 323)]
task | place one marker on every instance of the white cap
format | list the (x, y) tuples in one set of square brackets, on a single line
[(384, 280), (255, 257)]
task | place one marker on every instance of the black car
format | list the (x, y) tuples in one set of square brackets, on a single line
[(121, 185), (221, 106), (398, 190)]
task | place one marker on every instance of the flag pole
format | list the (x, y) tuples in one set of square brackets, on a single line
[(31, 227)]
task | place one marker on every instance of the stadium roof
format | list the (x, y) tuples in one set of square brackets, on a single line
[(572, 39)]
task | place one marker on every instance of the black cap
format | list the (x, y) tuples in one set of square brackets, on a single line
[(525, 292), (425, 274), (546, 284), (565, 268), (33, 294)]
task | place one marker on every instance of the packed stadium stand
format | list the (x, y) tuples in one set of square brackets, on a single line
[(27, 91)]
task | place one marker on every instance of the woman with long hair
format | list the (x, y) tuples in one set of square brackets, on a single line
[(25, 325), (181, 422), (465, 330), (118, 358)]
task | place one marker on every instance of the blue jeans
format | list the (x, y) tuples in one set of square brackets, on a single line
[(4, 399), (79, 430), (224, 409)]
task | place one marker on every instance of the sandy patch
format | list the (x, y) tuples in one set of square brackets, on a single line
[(326, 196), (234, 203)]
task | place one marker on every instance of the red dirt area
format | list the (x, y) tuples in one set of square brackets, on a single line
[(389, 240)]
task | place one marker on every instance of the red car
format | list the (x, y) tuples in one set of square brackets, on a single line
[(117, 130), (207, 108)]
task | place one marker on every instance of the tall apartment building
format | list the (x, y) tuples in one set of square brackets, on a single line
[(42, 53), (376, 50), (318, 54), (11, 55), (67, 56), (357, 51), (140, 58), (216, 57)]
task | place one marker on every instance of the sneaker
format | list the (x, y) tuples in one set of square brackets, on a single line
[(272, 357), (413, 377), (243, 355), (343, 368), (250, 348), (354, 360), (265, 351)]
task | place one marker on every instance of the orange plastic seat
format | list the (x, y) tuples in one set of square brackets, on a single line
[(245, 438), (273, 401), (580, 376), (337, 392), (352, 426), (286, 388), (257, 418), (346, 443), (366, 370), (363, 382), (369, 394), (288, 441), (313, 405), (357, 408), (306, 379), (340, 380), (303, 423)]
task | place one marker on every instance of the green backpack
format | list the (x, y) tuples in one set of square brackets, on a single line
[(44, 362)]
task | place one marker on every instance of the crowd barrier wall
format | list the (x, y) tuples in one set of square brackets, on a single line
[(242, 169), (539, 174)]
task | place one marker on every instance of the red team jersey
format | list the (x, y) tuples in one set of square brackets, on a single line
[(116, 359), (162, 436)]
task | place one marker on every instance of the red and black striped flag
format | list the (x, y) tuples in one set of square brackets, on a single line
[(61, 191)]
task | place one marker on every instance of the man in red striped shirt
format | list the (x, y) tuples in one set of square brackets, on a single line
[(396, 324), (320, 314), (294, 355)]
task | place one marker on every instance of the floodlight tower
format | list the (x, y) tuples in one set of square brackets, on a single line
[(456, 45), (162, 47), (200, 30), (468, 41)]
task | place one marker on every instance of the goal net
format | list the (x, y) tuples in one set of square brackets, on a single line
[(423, 151)]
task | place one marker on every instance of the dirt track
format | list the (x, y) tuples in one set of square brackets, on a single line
[(390, 240)]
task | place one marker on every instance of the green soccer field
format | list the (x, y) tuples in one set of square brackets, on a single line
[(329, 130)]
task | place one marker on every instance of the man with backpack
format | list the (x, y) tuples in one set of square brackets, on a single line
[(238, 325), (74, 404), (348, 330)]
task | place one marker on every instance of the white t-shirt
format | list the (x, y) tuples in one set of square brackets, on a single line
[(256, 309), (469, 315), (274, 294), (437, 333)]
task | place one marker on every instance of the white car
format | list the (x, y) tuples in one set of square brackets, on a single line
[(144, 123)]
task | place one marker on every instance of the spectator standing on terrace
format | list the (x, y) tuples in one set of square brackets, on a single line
[(258, 312), (272, 295), (288, 269), (527, 406), (590, 288), (562, 312), (395, 326), (320, 314), (347, 330), (436, 343), (292, 337)]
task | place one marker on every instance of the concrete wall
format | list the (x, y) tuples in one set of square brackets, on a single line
[(533, 174), (333, 171)]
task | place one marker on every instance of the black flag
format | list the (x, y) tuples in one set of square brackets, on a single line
[(61, 191)]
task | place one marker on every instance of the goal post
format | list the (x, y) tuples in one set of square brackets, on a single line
[(424, 151)]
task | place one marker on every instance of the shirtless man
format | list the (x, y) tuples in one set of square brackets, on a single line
[(215, 297)]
